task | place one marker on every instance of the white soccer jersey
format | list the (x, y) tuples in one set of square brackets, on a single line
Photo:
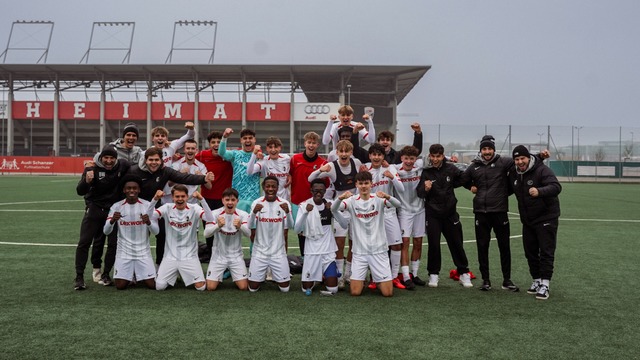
[(167, 158), (331, 132), (273, 167), (133, 233), (409, 199), (367, 223), (270, 223), (227, 242), (197, 168), (181, 227), (382, 183), (325, 243)]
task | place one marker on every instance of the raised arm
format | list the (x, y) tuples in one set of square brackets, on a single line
[(177, 144)]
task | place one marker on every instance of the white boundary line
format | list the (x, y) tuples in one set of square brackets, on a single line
[(39, 202)]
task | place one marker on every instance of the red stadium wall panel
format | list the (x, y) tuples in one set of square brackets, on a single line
[(180, 111), (42, 165)]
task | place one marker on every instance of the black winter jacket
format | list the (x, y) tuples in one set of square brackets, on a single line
[(152, 182), (441, 200), (544, 207), (491, 180), (103, 190)]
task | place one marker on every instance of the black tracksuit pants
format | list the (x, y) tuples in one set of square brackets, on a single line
[(91, 233), (451, 228), (539, 242), (499, 222)]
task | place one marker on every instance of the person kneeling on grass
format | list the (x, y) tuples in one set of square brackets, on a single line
[(270, 216), (133, 254), (314, 220), (369, 240), (181, 221), (227, 228)]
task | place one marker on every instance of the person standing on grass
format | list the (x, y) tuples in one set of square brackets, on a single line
[(226, 228), (99, 186), (342, 174), (410, 216), (314, 221), (302, 165), (370, 247), (223, 175), (269, 216), (181, 221), (436, 187), (248, 186), (133, 255), (386, 179), (536, 188)]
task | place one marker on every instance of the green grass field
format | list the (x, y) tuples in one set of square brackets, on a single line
[(591, 312)]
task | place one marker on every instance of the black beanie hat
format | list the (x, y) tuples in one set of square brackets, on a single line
[(130, 127), (488, 141), (521, 150), (108, 150)]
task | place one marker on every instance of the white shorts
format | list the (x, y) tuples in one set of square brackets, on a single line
[(236, 266), (190, 270), (279, 269), (392, 228), (143, 268), (377, 263), (315, 265), (338, 230), (411, 225)]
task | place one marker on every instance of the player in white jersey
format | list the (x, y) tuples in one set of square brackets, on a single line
[(314, 220), (345, 114), (133, 254), (269, 216), (188, 165), (386, 179), (411, 215), (181, 221), (342, 174), (275, 164), (227, 228), (369, 238)]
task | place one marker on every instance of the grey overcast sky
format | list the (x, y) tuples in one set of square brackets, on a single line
[(572, 62)]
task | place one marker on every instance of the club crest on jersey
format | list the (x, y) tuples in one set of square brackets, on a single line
[(448, 179), (493, 165), (515, 182), (315, 167), (529, 182), (158, 179)]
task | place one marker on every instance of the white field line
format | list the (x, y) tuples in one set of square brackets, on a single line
[(38, 202)]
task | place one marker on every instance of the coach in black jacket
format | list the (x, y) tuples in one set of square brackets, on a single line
[(99, 186), (154, 177), (536, 188), (436, 187)]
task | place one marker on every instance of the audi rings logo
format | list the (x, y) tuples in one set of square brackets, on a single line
[(317, 109)]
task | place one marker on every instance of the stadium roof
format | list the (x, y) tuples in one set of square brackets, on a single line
[(373, 85)]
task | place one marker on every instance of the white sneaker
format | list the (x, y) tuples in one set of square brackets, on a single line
[(96, 274), (465, 280), (433, 280), (341, 283), (269, 275)]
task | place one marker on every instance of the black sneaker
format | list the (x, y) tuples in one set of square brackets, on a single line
[(418, 281), (543, 292), (78, 283), (486, 285), (509, 285), (533, 289), (105, 280), (409, 284)]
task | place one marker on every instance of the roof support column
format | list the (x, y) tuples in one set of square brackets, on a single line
[(9, 116), (196, 113), (56, 119), (244, 100), (103, 98), (149, 104), (291, 114), (394, 109)]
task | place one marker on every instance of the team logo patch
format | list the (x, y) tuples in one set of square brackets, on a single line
[(530, 182), (209, 273), (158, 179), (448, 179), (515, 183), (101, 175), (477, 223), (308, 275), (493, 165)]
